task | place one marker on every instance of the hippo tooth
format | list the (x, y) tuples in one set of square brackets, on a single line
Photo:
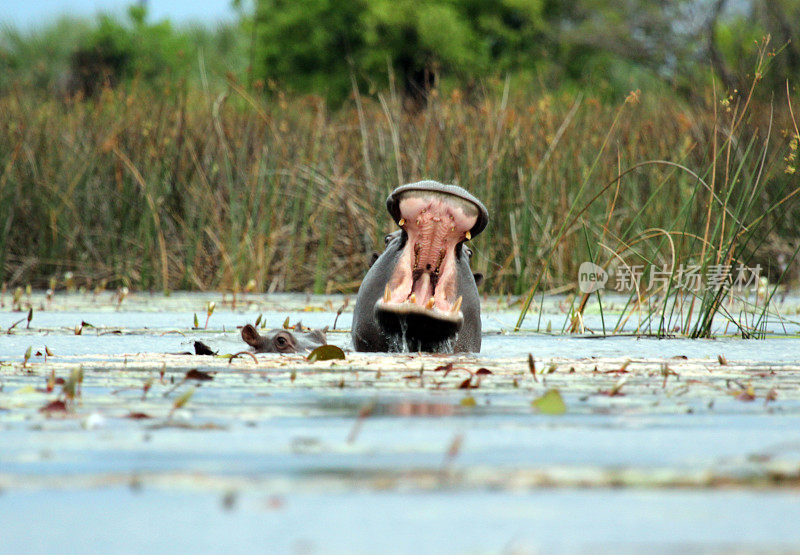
[(430, 303), (402, 222), (468, 235), (412, 298), (457, 305), (386, 294)]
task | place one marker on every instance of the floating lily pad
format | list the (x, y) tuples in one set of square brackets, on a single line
[(550, 403), (326, 352)]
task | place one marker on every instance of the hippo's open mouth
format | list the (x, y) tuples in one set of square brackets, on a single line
[(423, 286)]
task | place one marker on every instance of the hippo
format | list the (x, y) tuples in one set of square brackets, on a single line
[(282, 340), (420, 293)]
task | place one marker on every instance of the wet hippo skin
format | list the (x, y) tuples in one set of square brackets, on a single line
[(420, 293), (283, 340)]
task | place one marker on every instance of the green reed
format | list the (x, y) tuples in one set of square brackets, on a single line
[(187, 189)]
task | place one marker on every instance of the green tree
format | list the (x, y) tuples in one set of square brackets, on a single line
[(313, 45)]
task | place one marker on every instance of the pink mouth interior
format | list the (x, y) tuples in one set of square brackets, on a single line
[(435, 223)]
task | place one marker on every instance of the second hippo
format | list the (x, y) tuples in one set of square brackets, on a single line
[(283, 340)]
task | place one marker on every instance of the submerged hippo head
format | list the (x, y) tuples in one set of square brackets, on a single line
[(283, 341), (420, 294)]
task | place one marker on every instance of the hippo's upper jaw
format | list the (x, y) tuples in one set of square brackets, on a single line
[(427, 290)]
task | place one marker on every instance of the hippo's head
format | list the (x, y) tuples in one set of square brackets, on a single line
[(282, 341), (420, 294)]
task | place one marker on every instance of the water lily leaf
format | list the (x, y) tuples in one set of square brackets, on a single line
[(468, 401), (550, 403), (326, 352)]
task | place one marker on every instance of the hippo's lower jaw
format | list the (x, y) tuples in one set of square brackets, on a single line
[(417, 328)]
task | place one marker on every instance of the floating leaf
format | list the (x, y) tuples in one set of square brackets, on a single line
[(196, 321), (326, 352), (550, 403), (467, 384), (258, 321), (195, 374), (286, 323), (468, 401), (138, 415), (24, 390), (616, 390), (772, 395), (54, 406), (746, 394), (722, 360), (483, 372), (201, 348), (446, 367), (181, 401)]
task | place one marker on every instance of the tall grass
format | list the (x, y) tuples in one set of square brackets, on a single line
[(742, 209), (183, 188)]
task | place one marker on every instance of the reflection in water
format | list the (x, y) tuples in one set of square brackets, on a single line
[(417, 408)]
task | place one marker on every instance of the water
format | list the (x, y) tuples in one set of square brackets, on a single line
[(384, 452)]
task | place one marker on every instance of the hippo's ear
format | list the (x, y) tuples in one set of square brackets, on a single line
[(251, 336), (319, 335), (478, 278)]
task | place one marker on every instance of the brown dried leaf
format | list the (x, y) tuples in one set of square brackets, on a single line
[(54, 407), (138, 415), (467, 384), (195, 374)]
